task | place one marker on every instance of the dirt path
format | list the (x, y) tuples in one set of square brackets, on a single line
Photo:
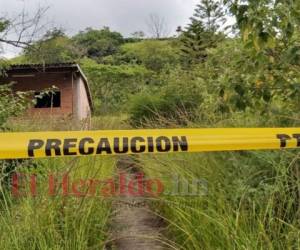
[(135, 226)]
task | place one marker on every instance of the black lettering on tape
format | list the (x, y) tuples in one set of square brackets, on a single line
[(121, 145), (103, 146), (283, 139), (180, 143), (150, 144), (53, 144), (137, 148), (69, 144), (82, 146), (117, 146), (297, 137), (33, 145), (163, 144)]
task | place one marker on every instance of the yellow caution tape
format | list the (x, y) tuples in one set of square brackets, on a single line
[(119, 142)]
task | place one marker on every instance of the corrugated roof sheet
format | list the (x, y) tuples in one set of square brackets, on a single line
[(48, 65)]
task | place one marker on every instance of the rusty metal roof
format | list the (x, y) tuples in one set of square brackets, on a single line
[(39, 65)]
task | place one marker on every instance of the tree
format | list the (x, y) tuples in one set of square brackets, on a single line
[(262, 23), (157, 26), (202, 32), (54, 47), (179, 29), (23, 29), (111, 85), (99, 43), (211, 14), (194, 42), (269, 35), (138, 34), (154, 55), (19, 32), (11, 104)]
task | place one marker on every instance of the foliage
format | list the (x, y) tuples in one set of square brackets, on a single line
[(57, 222), (4, 23), (3, 66), (211, 14), (247, 200), (154, 54), (112, 85), (249, 80), (195, 41), (262, 23), (175, 102), (202, 33), (253, 81), (98, 43), (138, 34), (157, 26), (11, 104), (54, 47), (271, 45)]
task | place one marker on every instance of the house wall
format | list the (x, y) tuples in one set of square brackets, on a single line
[(81, 106), (42, 81)]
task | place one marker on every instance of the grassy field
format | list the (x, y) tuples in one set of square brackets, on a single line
[(232, 64), (59, 222), (250, 200)]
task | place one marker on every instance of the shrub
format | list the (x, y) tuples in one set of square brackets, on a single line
[(154, 55), (98, 43), (111, 85), (11, 104), (177, 102)]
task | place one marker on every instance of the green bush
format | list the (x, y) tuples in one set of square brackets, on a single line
[(98, 43), (174, 103), (11, 104), (111, 85), (55, 47), (153, 54)]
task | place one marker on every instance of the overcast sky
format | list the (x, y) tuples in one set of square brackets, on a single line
[(125, 16)]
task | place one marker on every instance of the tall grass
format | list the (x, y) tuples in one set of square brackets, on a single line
[(59, 222), (252, 200)]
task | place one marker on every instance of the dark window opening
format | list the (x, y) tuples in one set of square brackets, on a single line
[(47, 100)]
